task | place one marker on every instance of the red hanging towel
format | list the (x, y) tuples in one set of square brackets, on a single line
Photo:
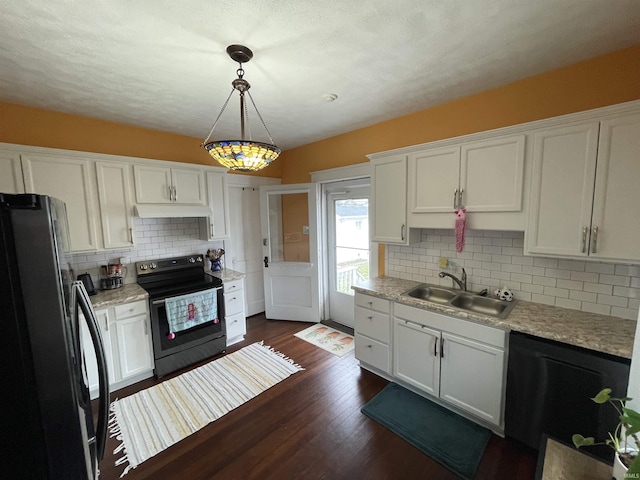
[(461, 224)]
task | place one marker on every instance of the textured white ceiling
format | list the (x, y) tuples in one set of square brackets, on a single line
[(162, 64)]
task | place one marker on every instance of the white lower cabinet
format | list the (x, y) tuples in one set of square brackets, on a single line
[(90, 361), (133, 332), (373, 332), (416, 355), (458, 361), (236, 322), (126, 339)]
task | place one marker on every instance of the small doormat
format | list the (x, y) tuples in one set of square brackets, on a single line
[(327, 338), (448, 438)]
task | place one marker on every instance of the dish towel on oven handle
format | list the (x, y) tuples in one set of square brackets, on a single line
[(190, 310)]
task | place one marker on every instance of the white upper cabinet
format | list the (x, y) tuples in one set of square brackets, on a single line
[(434, 180), (482, 176), (584, 191), (615, 224), (217, 226), (157, 184), (10, 173), (68, 179), (389, 220), (114, 198)]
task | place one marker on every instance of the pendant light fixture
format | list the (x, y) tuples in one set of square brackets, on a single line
[(244, 154)]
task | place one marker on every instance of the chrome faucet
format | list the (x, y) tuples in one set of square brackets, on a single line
[(461, 283)]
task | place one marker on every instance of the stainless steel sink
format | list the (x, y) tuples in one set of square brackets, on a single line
[(484, 305), (465, 301), (432, 294)]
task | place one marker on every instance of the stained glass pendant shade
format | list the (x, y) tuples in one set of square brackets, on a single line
[(244, 155)]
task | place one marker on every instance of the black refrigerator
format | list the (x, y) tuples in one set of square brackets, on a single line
[(48, 428)]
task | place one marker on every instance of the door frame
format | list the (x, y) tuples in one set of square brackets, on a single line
[(360, 171), (309, 313)]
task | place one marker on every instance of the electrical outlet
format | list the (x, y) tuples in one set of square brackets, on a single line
[(443, 263)]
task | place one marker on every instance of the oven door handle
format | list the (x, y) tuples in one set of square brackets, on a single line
[(163, 300)]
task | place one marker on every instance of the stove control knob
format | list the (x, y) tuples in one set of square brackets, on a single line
[(153, 265), (199, 259), (192, 260), (143, 266)]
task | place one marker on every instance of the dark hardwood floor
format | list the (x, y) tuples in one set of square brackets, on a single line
[(309, 426)]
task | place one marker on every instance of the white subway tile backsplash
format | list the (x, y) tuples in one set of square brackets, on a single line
[(495, 259), (615, 280), (545, 262), (557, 273), (546, 299), (596, 308), (585, 277), (154, 238), (576, 265), (567, 303), (583, 296), (598, 288), (570, 284), (628, 270), (546, 281), (600, 268)]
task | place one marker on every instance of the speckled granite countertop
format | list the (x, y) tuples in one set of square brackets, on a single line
[(602, 333), (227, 275), (129, 292)]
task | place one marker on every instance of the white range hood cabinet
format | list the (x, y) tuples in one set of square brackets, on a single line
[(172, 211)]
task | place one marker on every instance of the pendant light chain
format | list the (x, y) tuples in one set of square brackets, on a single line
[(218, 119), (260, 117)]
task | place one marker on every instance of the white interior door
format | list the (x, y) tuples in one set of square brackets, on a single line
[(348, 246), (290, 246), (244, 252)]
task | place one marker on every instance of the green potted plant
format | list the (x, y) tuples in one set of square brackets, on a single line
[(623, 440)]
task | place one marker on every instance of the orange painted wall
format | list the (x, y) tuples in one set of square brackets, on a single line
[(44, 128), (605, 80)]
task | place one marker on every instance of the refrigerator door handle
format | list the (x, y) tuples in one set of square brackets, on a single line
[(82, 299)]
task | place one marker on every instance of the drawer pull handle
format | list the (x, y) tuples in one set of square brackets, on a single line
[(369, 346), (370, 303)]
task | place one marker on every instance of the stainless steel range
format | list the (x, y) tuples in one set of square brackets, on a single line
[(187, 311)]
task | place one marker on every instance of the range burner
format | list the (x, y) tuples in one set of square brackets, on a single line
[(183, 282)]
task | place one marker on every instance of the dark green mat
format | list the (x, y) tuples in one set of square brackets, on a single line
[(448, 438)]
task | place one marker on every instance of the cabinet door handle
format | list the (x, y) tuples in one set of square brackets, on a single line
[(460, 204), (131, 235), (146, 328), (435, 347), (584, 239), (594, 239), (212, 234), (442, 347), (170, 188), (106, 324), (455, 199), (402, 232), (175, 194), (370, 317)]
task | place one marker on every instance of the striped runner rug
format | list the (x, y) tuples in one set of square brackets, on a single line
[(154, 419)]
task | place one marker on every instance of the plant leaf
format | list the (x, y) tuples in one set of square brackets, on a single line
[(580, 441), (634, 468), (631, 420), (603, 396)]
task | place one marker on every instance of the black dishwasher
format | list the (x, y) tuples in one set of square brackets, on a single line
[(549, 390)]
